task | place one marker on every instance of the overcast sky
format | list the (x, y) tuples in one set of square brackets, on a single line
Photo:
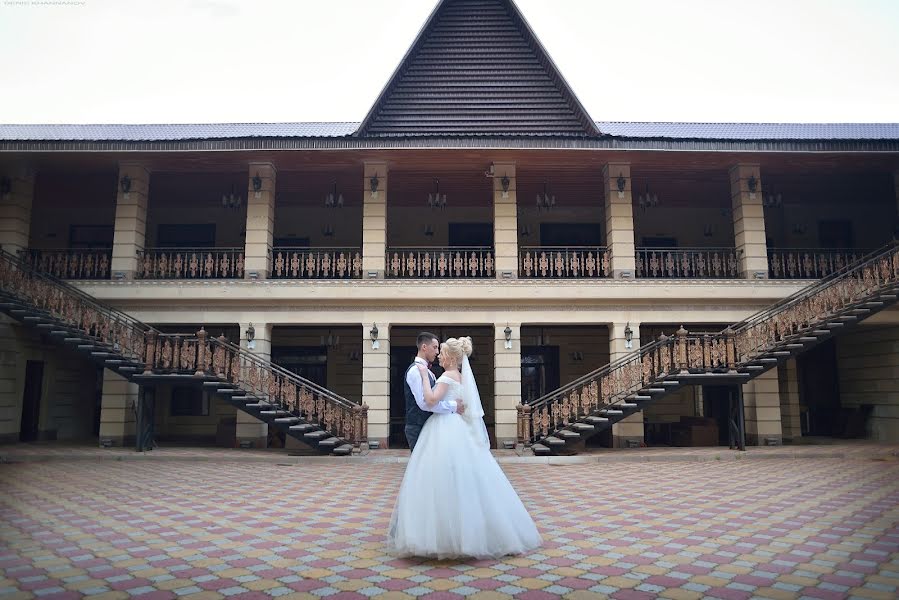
[(205, 61)]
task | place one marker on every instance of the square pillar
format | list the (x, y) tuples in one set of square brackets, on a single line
[(630, 428), (507, 382), (249, 428), (761, 408), (790, 413), (376, 382), (117, 405), (260, 221), (749, 222), (505, 221), (374, 223), (15, 210), (619, 211), (130, 220)]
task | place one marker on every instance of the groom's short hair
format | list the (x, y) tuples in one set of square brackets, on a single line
[(425, 337)]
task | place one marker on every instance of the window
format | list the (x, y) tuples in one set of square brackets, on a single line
[(570, 234), (189, 402), (470, 234), (201, 235), (309, 362)]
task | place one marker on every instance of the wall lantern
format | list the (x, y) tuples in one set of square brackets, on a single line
[(373, 183), (504, 182), (772, 200), (628, 336), (374, 337), (753, 184), (429, 230), (621, 182), (257, 184), (251, 337), (508, 333), (125, 183)]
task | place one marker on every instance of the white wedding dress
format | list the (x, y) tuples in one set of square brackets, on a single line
[(455, 501)]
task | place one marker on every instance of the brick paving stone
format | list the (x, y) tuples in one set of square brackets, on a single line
[(778, 528)]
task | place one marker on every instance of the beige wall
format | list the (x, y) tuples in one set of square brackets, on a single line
[(868, 365), (200, 429), (344, 370), (68, 394)]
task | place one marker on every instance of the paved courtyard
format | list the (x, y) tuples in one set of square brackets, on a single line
[(775, 528)]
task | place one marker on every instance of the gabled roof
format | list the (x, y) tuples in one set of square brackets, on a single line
[(477, 69)]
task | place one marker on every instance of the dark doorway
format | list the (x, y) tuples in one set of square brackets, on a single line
[(469, 235), (716, 404), (31, 400), (309, 362), (539, 371), (819, 389)]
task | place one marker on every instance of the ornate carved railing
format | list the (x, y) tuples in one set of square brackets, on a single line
[(721, 352), (441, 263), (193, 354), (809, 263), (316, 263), (564, 262), (73, 307), (687, 263), (70, 263), (190, 263), (201, 355)]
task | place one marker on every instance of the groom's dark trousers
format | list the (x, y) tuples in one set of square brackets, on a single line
[(415, 417)]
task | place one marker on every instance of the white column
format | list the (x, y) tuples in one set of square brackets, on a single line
[(260, 221), (507, 381), (619, 220), (130, 220), (505, 221), (249, 428), (761, 403), (749, 221), (630, 428), (374, 222), (376, 381), (15, 209)]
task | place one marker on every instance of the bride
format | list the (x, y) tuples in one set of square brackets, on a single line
[(455, 501)]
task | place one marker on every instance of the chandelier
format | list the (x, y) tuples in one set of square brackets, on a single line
[(331, 341), (232, 200), (545, 201), (647, 199), (436, 199), (333, 199)]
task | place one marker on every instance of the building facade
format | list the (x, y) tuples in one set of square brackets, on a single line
[(476, 198)]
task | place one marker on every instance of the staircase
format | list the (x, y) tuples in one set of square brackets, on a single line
[(558, 421), (64, 314)]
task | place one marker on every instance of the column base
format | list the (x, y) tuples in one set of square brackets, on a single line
[(755, 439), (624, 274), (118, 441), (627, 441), (254, 442)]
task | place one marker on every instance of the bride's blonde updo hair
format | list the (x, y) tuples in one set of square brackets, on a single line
[(456, 348)]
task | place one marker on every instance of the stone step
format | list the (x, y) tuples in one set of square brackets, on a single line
[(582, 427), (808, 340), (640, 398), (611, 412), (653, 390), (567, 434), (288, 420), (260, 405), (596, 420), (316, 435), (302, 428), (540, 450), (331, 442), (626, 405), (553, 441), (343, 450), (274, 413)]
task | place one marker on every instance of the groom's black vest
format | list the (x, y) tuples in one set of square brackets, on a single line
[(414, 415)]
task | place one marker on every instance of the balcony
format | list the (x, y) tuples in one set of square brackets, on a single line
[(475, 262), (687, 263), (316, 263), (809, 263), (190, 263), (70, 263), (563, 262)]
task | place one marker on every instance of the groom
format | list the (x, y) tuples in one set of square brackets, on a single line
[(417, 410)]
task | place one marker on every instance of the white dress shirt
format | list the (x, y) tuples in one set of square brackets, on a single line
[(413, 378)]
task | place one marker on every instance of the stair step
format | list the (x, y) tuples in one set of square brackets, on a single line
[(611, 411), (671, 383), (274, 413), (567, 434), (260, 405), (794, 346), (807, 339), (596, 420), (872, 304), (851, 318), (582, 427), (889, 297), (640, 398), (331, 442), (301, 428), (653, 390), (554, 441), (288, 420), (221, 385), (130, 369), (316, 435), (101, 354), (753, 368), (540, 450), (860, 311), (228, 391), (50, 326), (834, 325), (766, 361), (33, 319), (820, 332), (626, 405), (344, 450)]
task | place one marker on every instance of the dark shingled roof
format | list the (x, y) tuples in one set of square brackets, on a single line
[(477, 69), (141, 133), (753, 131)]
